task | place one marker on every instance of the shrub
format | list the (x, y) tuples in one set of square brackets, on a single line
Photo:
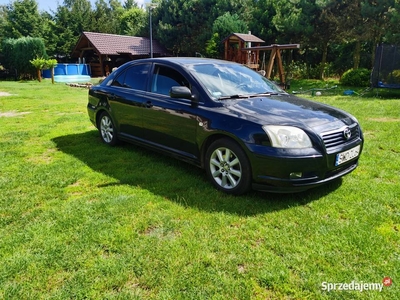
[(19, 52), (356, 77), (298, 70), (42, 64), (396, 76), (39, 64)]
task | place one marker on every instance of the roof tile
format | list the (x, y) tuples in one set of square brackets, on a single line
[(112, 44)]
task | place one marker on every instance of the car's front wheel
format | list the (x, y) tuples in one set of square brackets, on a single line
[(228, 167), (107, 130)]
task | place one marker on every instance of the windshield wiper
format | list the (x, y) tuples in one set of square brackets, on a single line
[(266, 94), (240, 96), (237, 96)]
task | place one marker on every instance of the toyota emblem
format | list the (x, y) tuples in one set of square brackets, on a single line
[(347, 133)]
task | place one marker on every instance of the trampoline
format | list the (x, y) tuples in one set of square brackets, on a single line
[(386, 71)]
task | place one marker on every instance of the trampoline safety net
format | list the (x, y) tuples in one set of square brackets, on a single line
[(386, 72)]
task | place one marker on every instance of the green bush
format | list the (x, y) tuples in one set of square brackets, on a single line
[(299, 70), (19, 52), (356, 77), (396, 76)]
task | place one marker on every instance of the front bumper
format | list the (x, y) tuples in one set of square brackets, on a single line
[(279, 185), (272, 169)]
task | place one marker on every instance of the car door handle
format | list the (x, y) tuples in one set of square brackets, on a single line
[(148, 104)]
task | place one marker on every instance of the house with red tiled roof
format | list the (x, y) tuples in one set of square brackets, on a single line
[(103, 51)]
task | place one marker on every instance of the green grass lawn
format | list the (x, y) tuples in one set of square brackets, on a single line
[(81, 220)]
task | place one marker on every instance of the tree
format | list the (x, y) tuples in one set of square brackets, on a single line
[(80, 15), (107, 17), (185, 26), (39, 63), (70, 20), (342, 32), (3, 20), (51, 64), (50, 34), (296, 22), (376, 21), (222, 27), (212, 46), (294, 19), (168, 18), (259, 15), (64, 36), (128, 4), (327, 28), (22, 19), (133, 21)]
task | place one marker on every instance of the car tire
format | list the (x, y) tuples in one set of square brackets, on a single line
[(108, 133), (228, 167)]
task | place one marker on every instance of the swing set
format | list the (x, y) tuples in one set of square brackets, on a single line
[(239, 48)]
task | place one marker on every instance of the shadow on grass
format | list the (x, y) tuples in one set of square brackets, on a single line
[(177, 181), (383, 93)]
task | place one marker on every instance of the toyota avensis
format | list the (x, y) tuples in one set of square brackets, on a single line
[(241, 128)]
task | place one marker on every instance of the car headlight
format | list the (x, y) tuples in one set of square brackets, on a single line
[(287, 137)]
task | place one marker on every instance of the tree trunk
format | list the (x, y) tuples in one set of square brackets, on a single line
[(39, 75), (376, 43), (52, 75), (323, 61), (357, 55), (373, 51)]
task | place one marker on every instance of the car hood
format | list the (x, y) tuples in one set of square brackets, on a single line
[(289, 110)]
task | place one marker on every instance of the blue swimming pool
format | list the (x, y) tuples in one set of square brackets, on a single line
[(69, 73)]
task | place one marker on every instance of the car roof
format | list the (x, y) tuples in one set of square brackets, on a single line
[(186, 60)]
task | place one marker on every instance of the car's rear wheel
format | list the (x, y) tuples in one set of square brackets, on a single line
[(228, 167), (107, 130)]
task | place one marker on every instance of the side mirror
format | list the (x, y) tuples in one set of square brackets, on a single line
[(181, 92)]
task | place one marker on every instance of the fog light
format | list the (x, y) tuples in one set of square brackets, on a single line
[(296, 175)]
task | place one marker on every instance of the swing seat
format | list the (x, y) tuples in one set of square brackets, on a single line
[(253, 66)]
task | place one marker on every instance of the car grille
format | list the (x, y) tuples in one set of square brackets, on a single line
[(333, 139)]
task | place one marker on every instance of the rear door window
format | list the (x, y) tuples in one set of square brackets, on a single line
[(134, 77)]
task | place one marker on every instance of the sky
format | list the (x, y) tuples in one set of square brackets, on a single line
[(51, 5)]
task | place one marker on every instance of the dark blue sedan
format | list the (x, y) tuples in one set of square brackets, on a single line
[(228, 119)]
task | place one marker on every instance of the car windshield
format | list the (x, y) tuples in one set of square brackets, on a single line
[(226, 81)]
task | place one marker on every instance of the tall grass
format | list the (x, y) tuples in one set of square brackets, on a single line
[(80, 220)]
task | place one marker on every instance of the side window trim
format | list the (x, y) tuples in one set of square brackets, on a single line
[(154, 78)]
